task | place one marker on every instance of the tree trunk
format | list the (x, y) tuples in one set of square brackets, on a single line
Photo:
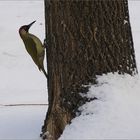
[(85, 38)]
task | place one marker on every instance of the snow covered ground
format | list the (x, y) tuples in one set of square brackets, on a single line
[(20, 80), (115, 115)]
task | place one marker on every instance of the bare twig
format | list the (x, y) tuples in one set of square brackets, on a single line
[(23, 104)]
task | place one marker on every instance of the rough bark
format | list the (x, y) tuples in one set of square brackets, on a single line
[(85, 38)]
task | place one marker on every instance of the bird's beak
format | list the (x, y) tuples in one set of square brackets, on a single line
[(29, 25)]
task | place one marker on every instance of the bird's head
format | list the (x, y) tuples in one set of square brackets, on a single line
[(25, 28)]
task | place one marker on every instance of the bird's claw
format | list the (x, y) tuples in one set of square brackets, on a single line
[(45, 44)]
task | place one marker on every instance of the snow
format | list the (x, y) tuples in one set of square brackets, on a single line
[(21, 123), (116, 112), (114, 115), (20, 80)]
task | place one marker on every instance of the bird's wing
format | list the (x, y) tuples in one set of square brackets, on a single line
[(31, 49), (38, 43), (40, 49)]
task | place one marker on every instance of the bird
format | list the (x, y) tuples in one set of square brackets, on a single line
[(33, 46)]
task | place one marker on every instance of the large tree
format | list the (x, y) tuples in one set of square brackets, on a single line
[(85, 38)]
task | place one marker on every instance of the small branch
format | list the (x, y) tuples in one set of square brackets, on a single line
[(23, 104)]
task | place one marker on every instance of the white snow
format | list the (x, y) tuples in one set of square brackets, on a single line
[(21, 123), (116, 113), (20, 80)]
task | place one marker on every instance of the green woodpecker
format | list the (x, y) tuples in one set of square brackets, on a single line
[(33, 46)]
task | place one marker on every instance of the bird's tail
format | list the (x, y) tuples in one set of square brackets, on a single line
[(46, 75)]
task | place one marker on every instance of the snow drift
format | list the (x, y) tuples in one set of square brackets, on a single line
[(114, 115)]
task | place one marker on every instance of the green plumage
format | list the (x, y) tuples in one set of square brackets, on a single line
[(34, 47)]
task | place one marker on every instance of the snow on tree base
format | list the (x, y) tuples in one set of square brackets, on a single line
[(115, 114)]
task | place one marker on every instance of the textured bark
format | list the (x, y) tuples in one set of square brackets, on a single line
[(85, 38)]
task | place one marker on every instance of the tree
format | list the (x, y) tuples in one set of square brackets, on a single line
[(85, 38)]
